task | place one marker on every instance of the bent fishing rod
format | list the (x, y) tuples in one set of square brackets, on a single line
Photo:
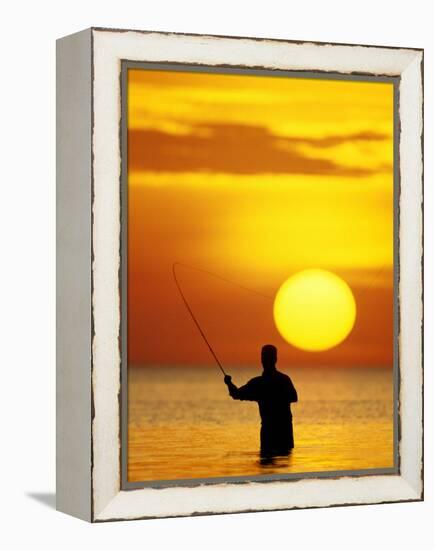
[(196, 322)]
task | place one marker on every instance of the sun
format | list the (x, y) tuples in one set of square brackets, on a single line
[(314, 310)]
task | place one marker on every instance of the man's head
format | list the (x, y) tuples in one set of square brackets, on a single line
[(268, 357)]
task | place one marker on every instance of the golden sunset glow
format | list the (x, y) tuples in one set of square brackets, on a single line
[(254, 179), (314, 310), (273, 198)]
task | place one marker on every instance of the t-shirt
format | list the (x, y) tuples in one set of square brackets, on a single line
[(273, 392)]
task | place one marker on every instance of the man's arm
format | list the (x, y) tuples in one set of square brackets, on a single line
[(245, 393), (292, 393), (233, 390)]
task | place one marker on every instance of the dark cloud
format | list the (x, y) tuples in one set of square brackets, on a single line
[(237, 149)]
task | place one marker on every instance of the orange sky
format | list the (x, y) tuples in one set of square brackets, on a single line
[(255, 178)]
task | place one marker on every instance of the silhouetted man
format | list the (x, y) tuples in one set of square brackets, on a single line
[(274, 392)]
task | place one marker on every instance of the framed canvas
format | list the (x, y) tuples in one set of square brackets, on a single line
[(239, 274)]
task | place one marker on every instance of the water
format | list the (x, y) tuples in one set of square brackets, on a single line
[(183, 425)]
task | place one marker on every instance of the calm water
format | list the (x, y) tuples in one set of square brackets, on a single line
[(182, 423)]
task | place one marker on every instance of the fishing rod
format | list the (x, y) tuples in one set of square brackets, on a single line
[(196, 322)]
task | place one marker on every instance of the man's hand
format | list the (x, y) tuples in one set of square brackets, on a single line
[(227, 379)]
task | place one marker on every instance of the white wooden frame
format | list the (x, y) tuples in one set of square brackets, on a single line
[(88, 264)]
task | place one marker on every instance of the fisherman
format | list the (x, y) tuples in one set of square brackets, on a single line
[(274, 392)]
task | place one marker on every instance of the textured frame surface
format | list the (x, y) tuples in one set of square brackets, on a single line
[(108, 49)]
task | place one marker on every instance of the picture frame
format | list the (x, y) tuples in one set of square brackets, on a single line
[(91, 384)]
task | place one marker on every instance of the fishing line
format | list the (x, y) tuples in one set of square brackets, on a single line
[(223, 279), (196, 322)]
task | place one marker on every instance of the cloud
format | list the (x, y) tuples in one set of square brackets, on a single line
[(333, 141), (240, 149)]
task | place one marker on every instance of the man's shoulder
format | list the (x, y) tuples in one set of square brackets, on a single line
[(255, 381), (283, 376)]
